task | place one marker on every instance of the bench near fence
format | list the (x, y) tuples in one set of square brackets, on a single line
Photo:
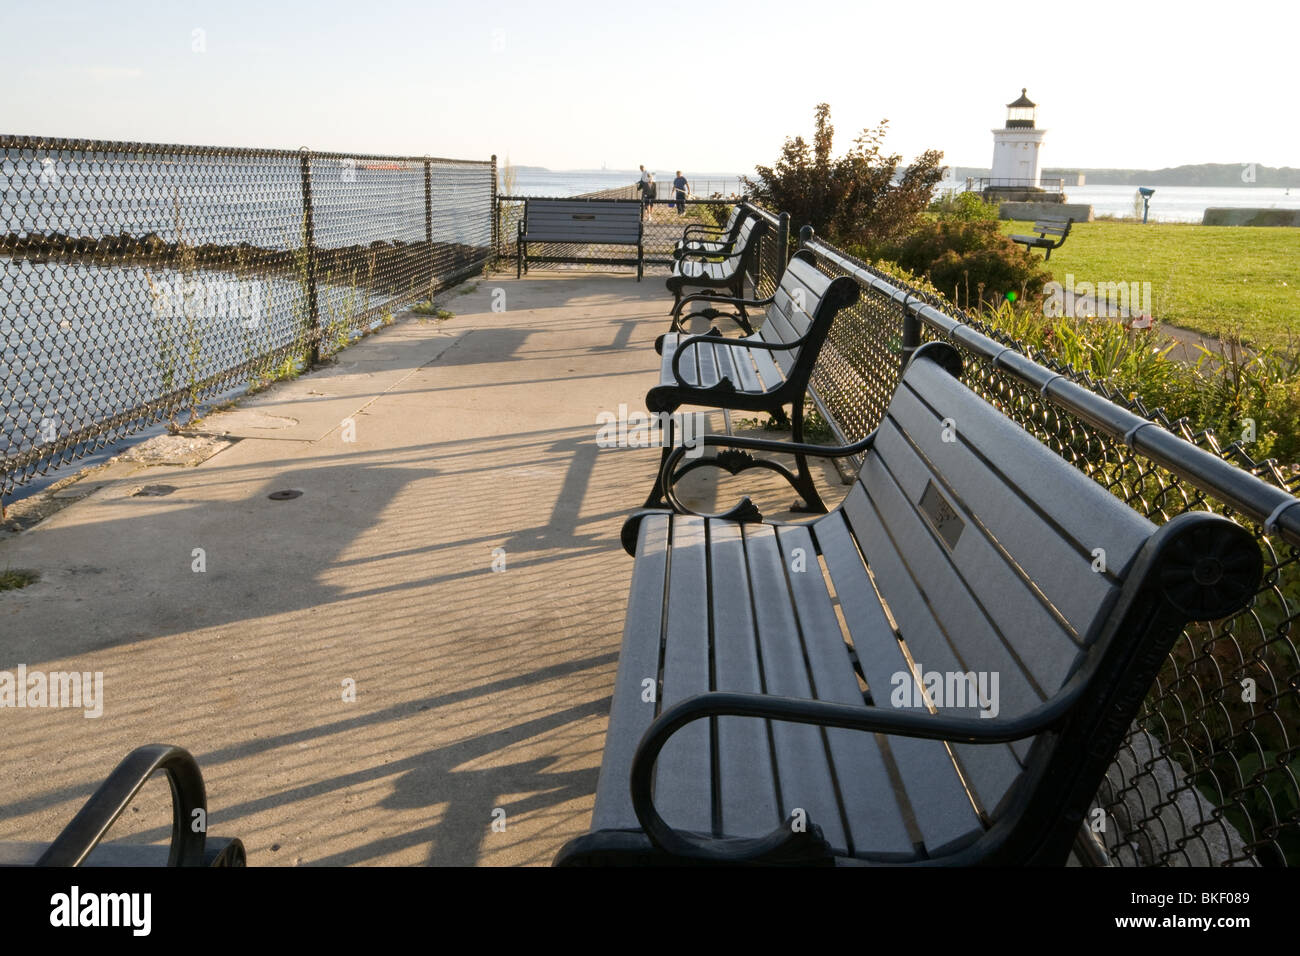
[(588, 222), (1045, 228), (699, 239), (723, 271), (764, 371), (1003, 618)]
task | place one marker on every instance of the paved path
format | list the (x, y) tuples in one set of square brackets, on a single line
[(475, 690)]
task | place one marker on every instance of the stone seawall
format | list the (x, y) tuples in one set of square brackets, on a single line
[(1250, 216)]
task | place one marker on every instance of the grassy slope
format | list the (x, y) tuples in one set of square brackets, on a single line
[(1213, 279)]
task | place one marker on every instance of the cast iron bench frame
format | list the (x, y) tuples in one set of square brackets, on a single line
[(1044, 228), (760, 372), (698, 587), (695, 270), (588, 222)]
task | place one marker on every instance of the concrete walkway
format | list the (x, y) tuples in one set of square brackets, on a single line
[(475, 690)]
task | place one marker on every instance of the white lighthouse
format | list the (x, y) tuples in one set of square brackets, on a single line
[(1015, 151)]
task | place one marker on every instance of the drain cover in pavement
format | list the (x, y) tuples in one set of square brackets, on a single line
[(153, 491), (284, 495)]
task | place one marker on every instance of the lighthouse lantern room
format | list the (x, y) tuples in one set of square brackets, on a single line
[(1015, 150)]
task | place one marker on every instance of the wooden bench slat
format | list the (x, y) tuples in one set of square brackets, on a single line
[(708, 369), (867, 800), (722, 361), (935, 793), (684, 773), (746, 784), (638, 659), (772, 376), (742, 360), (802, 768)]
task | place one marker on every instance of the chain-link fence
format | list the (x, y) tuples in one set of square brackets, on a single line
[(664, 224), (1208, 773), (138, 280)]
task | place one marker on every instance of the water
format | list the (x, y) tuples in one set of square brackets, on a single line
[(1169, 204), (532, 182), (1181, 203)]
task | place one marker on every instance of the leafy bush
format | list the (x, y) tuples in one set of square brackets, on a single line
[(1251, 396), (964, 207), (850, 200), (972, 262)]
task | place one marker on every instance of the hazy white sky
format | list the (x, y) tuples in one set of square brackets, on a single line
[(572, 84)]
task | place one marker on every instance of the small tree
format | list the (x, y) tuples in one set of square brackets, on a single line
[(858, 199)]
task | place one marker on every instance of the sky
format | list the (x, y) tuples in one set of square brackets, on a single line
[(711, 86)]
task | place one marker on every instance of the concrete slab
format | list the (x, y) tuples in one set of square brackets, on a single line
[(428, 634)]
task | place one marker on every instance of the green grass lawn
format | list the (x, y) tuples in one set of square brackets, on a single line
[(1212, 279)]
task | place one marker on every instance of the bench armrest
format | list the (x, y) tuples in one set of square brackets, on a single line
[(79, 837), (701, 227), (745, 510), (784, 843), (719, 297)]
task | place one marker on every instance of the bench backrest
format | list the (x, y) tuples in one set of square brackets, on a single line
[(997, 557), (732, 226), (1053, 227), (582, 220), (744, 250), (805, 305)]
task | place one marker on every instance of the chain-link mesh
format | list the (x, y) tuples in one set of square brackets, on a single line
[(1208, 773), (136, 280), (663, 229)]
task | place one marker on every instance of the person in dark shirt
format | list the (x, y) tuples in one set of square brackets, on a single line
[(680, 188)]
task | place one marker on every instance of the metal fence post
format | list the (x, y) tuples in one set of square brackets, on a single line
[(911, 331), (428, 219), (782, 244), (309, 254), (495, 213)]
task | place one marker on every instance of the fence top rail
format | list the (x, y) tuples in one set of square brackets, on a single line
[(9, 141), (689, 202), (1247, 494)]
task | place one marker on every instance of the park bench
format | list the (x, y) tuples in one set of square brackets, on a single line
[(939, 671), (764, 371), (586, 222), (699, 239), (720, 272), (190, 845), (1045, 228)]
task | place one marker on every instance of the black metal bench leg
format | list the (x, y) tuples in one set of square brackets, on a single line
[(811, 502)]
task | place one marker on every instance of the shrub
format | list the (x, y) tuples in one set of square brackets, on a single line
[(964, 207), (859, 198), (972, 261), (1242, 395)]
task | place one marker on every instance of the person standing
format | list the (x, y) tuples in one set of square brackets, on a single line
[(651, 193), (643, 186), (680, 188)]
